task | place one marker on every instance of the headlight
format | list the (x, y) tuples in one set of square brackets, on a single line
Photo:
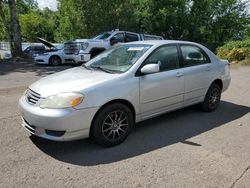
[(62, 100), (84, 45)]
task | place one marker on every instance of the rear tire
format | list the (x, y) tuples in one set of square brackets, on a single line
[(212, 98), (55, 60), (112, 124)]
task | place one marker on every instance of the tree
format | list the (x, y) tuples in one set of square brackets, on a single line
[(16, 42), (214, 22), (13, 29), (80, 19), (37, 24), (5, 23)]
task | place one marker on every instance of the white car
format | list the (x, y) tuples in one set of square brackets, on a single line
[(124, 85), (5, 54), (54, 55)]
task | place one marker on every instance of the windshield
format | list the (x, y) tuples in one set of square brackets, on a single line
[(119, 58), (59, 46), (102, 36)]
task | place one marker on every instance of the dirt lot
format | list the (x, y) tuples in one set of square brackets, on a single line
[(186, 148)]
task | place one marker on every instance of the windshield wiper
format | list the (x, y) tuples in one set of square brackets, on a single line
[(86, 67), (102, 69)]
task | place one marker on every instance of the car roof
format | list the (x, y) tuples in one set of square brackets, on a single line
[(162, 42)]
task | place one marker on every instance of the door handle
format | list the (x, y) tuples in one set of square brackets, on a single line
[(179, 74)]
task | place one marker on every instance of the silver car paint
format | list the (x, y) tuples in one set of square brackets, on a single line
[(150, 95)]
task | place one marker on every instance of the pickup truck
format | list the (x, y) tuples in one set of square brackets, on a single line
[(82, 50)]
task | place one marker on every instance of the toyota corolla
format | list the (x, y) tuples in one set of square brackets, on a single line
[(126, 84)]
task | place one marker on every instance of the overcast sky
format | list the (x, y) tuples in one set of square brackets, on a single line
[(51, 4)]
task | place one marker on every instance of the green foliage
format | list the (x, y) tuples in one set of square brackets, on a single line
[(210, 22), (235, 50), (35, 25), (237, 44), (81, 19), (2, 32)]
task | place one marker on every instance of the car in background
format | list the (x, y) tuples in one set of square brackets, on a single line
[(125, 84), (53, 54), (5, 54), (82, 50), (34, 49)]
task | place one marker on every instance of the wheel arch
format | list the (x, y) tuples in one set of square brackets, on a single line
[(121, 101), (219, 82), (55, 55)]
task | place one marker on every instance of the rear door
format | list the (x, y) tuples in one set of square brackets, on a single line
[(131, 37), (196, 66), (162, 91)]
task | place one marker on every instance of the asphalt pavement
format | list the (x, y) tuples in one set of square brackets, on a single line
[(185, 148)]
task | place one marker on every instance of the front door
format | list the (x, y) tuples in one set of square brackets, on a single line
[(162, 91)]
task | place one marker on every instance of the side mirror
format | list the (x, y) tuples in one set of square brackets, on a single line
[(150, 68), (113, 41)]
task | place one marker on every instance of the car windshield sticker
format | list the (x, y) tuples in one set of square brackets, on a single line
[(135, 48)]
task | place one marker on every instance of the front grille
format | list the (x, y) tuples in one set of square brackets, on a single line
[(32, 97), (71, 48)]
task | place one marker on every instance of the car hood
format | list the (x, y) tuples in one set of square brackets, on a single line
[(75, 79), (46, 43)]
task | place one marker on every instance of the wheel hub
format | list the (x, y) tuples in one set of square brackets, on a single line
[(115, 125)]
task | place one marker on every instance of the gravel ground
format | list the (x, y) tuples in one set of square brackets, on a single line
[(186, 148)]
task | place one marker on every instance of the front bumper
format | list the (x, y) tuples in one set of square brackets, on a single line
[(77, 58), (41, 59), (56, 124)]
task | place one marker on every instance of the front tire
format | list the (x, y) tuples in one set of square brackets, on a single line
[(55, 60), (112, 124), (212, 98)]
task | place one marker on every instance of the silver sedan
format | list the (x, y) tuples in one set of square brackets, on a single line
[(126, 84)]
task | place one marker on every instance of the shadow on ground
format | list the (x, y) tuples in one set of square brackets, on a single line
[(146, 136), (29, 66)]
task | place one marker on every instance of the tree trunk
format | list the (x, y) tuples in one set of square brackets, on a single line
[(16, 42)]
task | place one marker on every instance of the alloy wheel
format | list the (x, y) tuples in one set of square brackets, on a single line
[(115, 125), (214, 97)]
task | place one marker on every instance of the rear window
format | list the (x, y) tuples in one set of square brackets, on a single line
[(193, 56)]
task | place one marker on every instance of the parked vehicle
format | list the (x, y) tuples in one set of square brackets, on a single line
[(82, 50), (124, 85), (5, 54), (34, 49), (53, 55)]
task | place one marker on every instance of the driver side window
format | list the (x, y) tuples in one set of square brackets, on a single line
[(166, 56), (120, 37)]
